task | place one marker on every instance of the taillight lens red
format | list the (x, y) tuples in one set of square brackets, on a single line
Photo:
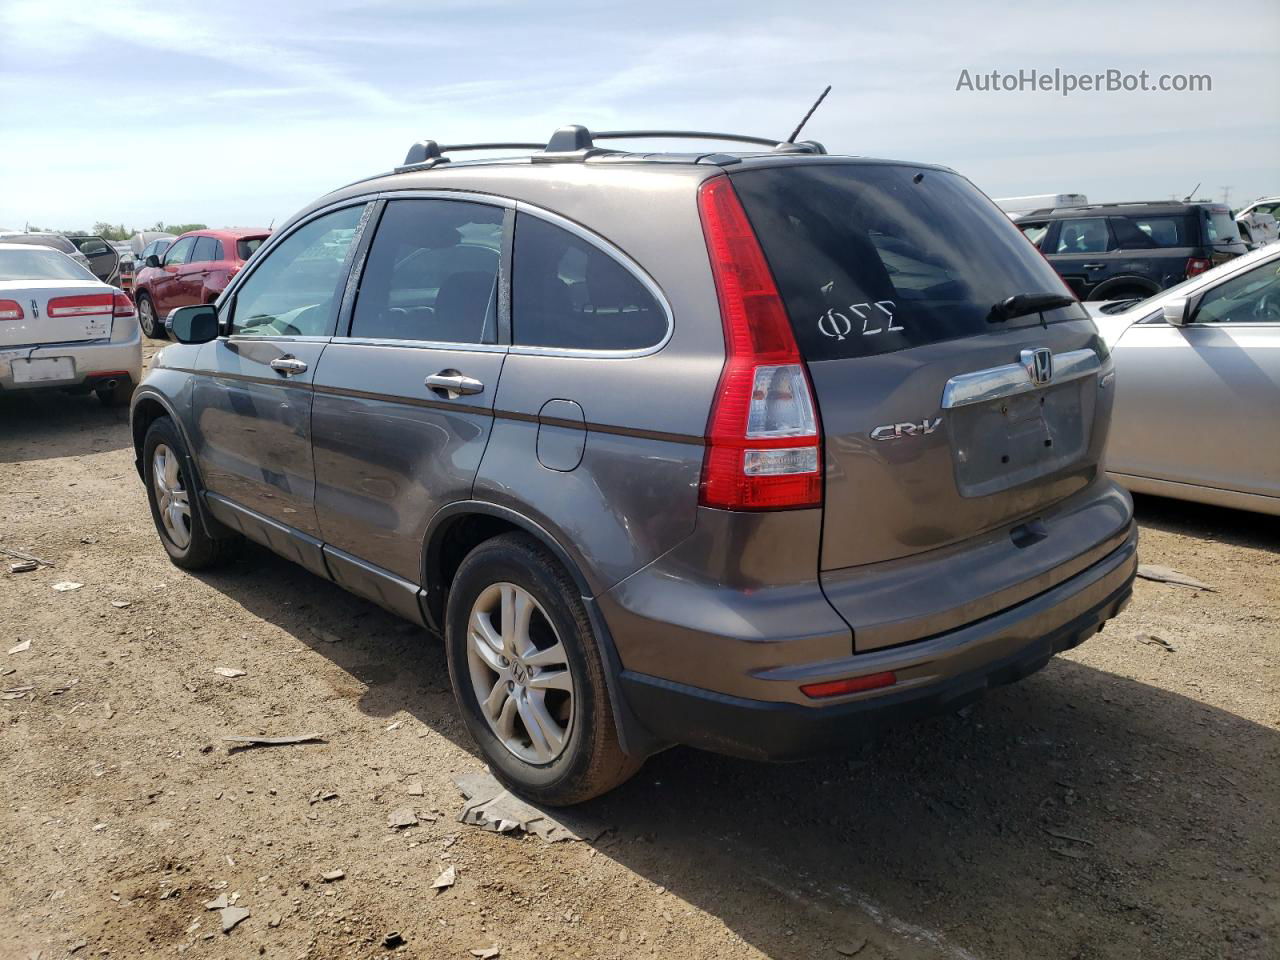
[(1197, 265), (763, 442), (11, 310), (121, 305), (80, 306), (834, 688)]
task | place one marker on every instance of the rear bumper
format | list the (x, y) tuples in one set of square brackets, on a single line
[(941, 673), (96, 363)]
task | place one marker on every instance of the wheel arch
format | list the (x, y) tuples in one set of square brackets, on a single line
[(149, 406), (1125, 281), (457, 529)]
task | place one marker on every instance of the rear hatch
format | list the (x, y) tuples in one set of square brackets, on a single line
[(935, 429), (54, 311)]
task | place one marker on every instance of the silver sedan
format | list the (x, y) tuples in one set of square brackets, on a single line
[(1197, 408)]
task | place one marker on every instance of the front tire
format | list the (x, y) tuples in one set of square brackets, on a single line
[(148, 320), (175, 502), (528, 676)]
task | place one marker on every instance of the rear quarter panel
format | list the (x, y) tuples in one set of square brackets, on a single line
[(635, 493)]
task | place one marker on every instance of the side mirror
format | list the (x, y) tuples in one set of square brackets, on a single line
[(152, 261), (198, 324), (1175, 312)]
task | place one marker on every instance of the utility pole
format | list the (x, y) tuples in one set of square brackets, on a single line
[(1226, 194)]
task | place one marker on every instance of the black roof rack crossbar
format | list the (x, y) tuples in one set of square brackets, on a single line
[(459, 147), (681, 135), (577, 142)]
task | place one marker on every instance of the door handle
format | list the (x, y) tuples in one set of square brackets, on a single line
[(1093, 266), (453, 383), (288, 365)]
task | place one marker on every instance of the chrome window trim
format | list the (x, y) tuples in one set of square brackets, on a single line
[(1013, 379), (275, 338), (462, 347), (614, 253)]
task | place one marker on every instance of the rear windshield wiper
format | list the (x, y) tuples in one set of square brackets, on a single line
[(1025, 303)]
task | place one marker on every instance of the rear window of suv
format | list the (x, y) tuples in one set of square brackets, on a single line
[(873, 258)]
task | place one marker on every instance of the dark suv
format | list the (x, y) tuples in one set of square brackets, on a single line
[(752, 451), (1128, 251)]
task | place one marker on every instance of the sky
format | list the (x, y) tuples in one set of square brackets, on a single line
[(232, 113)]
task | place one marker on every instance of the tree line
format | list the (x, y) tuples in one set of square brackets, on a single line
[(110, 231)]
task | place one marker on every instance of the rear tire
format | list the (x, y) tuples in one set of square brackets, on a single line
[(554, 676), (176, 507), (147, 319)]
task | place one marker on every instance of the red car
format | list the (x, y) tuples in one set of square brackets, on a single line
[(195, 269)]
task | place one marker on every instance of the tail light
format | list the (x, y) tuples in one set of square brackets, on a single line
[(80, 306), (121, 305), (763, 442), (11, 310), (1197, 265)]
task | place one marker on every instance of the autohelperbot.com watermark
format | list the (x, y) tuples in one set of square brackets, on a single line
[(1065, 82)]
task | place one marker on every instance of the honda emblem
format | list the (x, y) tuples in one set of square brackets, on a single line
[(1039, 365)]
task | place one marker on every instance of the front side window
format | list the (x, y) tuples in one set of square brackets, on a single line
[(1252, 297), (294, 291), (1086, 235), (1034, 231), (568, 293), (93, 247), (180, 251), (432, 273)]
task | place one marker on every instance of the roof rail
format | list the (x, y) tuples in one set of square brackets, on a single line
[(574, 142)]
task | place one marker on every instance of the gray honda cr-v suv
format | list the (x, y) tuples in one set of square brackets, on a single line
[(755, 452)]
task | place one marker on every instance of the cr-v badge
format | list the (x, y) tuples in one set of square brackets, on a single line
[(895, 431)]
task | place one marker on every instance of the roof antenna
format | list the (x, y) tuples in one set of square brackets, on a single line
[(796, 132), (1187, 198)]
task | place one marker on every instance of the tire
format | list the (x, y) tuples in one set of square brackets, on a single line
[(147, 319), (197, 550), (588, 761), (117, 396)]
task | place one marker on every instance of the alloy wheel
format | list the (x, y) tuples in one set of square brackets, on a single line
[(147, 316), (520, 673), (172, 497)]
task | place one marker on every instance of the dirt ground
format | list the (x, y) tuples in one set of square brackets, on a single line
[(1123, 802)]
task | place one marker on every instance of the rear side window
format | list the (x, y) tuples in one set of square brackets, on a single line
[(432, 273), (568, 293), (872, 258), (206, 249), (1084, 235), (1148, 233)]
